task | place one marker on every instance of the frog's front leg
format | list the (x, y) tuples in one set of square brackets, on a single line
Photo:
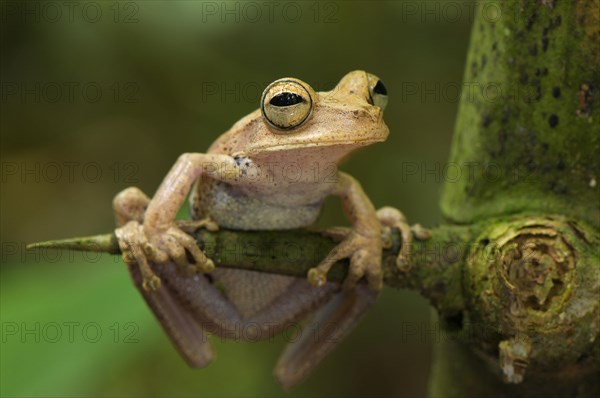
[(185, 332), (157, 238), (362, 245)]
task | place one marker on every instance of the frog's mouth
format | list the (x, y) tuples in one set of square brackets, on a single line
[(300, 145), (287, 147)]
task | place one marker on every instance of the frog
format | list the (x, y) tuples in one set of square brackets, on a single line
[(244, 182)]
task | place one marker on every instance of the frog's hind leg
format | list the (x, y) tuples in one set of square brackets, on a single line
[(232, 311), (330, 325), (337, 313), (185, 333)]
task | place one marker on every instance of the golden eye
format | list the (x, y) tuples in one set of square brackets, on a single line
[(377, 92), (286, 104)]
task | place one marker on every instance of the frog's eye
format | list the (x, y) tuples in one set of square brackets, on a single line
[(377, 92), (286, 104)]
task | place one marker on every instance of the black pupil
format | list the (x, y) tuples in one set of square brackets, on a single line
[(286, 99), (380, 88)]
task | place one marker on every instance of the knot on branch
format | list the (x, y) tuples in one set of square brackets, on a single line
[(535, 266), (532, 286)]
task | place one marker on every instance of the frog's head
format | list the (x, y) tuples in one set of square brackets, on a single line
[(295, 117)]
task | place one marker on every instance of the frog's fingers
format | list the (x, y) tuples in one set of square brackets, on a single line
[(420, 232), (374, 271), (151, 281), (403, 259), (203, 263), (375, 277), (131, 241), (393, 218), (191, 226), (317, 276), (337, 234), (363, 262), (356, 270), (175, 250)]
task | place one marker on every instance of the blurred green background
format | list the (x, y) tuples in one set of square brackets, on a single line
[(98, 96)]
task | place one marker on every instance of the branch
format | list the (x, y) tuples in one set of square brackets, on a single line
[(435, 270), (520, 283)]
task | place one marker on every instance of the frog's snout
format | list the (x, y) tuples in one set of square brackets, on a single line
[(366, 86)]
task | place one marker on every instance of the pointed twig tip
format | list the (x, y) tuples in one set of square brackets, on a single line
[(105, 243)]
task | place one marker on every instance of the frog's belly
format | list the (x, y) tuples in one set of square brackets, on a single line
[(249, 291), (232, 209)]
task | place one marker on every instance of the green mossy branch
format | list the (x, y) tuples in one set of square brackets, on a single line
[(518, 284), (435, 271)]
